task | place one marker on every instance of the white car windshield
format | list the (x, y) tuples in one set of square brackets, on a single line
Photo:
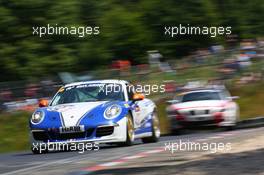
[(200, 96), (89, 93)]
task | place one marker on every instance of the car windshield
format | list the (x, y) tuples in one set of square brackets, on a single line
[(200, 96), (88, 93)]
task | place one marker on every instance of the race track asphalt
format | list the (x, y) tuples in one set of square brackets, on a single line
[(148, 158)]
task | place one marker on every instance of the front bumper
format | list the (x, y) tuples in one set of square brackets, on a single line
[(198, 122), (101, 134)]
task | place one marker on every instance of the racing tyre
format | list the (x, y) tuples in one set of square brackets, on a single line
[(155, 130), (229, 128), (130, 131)]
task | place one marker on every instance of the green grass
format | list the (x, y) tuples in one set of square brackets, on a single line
[(251, 100), (14, 132)]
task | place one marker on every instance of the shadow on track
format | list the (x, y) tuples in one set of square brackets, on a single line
[(250, 162)]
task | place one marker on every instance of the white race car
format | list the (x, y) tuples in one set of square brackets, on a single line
[(105, 111), (203, 107)]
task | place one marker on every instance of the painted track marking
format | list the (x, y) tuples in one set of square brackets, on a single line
[(120, 161)]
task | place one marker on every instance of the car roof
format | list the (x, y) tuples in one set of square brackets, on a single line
[(97, 81)]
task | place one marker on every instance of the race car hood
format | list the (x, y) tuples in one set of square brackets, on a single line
[(205, 104), (72, 113)]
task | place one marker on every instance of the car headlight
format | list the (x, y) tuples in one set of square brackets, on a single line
[(37, 117), (112, 111)]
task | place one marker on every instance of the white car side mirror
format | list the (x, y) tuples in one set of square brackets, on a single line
[(233, 98), (172, 101)]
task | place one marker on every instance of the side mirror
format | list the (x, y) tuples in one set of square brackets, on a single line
[(233, 98), (170, 102), (138, 97), (43, 103)]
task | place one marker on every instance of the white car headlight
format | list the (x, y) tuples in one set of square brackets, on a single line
[(112, 111), (37, 117)]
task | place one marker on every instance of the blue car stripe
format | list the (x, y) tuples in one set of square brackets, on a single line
[(78, 122)]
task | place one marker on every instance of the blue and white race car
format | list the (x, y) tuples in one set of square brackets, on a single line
[(105, 111)]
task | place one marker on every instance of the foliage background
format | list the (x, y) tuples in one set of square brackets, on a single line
[(128, 28)]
